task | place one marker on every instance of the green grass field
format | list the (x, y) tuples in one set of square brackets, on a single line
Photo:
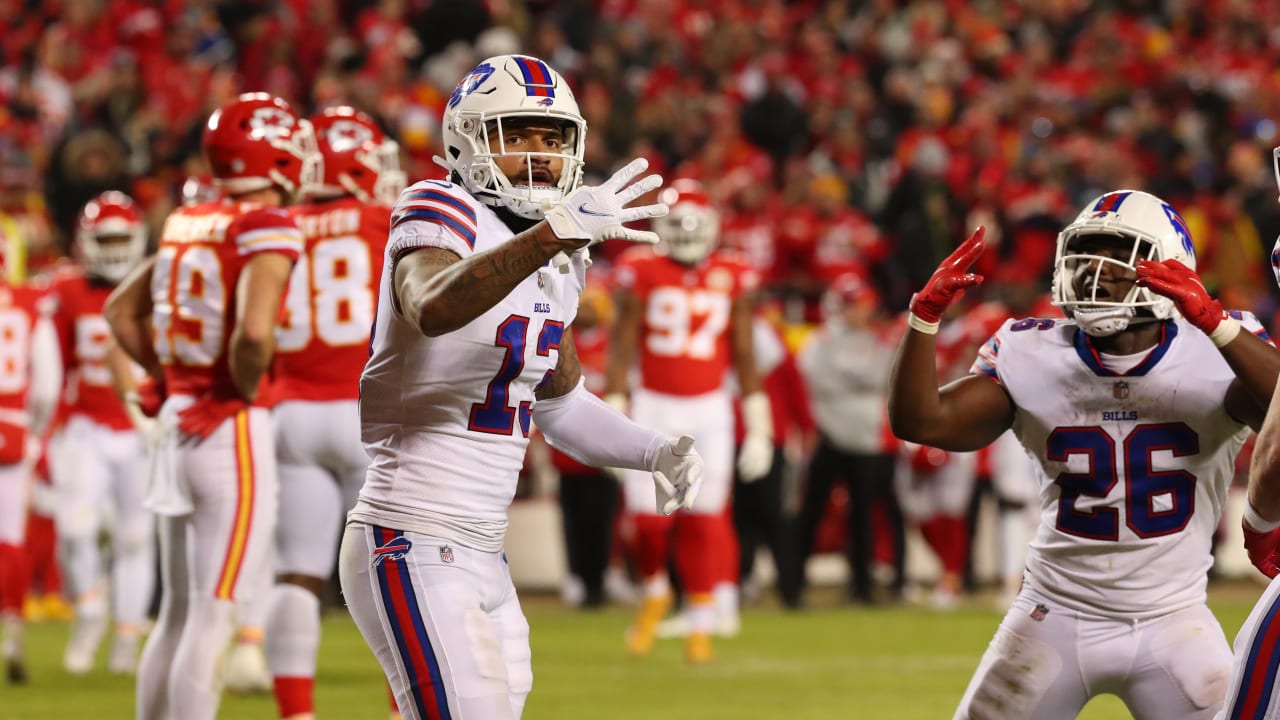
[(892, 663)]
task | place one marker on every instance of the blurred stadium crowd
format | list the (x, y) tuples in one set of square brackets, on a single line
[(838, 136)]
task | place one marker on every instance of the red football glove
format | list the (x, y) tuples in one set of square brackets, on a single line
[(209, 411), (151, 395), (1262, 549), (948, 282), (1180, 284)]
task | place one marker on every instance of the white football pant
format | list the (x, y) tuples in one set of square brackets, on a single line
[(100, 475), (322, 465), (15, 486), (206, 558), (443, 621), (1046, 661)]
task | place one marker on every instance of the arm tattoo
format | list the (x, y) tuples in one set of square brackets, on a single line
[(568, 370), (446, 293)]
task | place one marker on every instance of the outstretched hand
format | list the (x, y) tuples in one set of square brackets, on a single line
[(596, 214), (950, 280), (677, 473), (1182, 285)]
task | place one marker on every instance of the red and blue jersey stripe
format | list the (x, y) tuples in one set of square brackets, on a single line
[(1257, 683), (400, 603), (441, 208)]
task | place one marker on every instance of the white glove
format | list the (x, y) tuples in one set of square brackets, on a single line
[(677, 471), (755, 457), (597, 213), (148, 428)]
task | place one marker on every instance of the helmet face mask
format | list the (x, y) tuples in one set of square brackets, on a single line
[(484, 108), (691, 230), (1100, 250), (111, 238)]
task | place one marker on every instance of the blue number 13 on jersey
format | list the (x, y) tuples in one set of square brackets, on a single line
[(1143, 486), (494, 415)]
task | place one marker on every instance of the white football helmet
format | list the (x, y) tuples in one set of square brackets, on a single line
[(1157, 232), (498, 90), (692, 229)]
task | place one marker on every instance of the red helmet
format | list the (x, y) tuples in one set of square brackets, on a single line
[(257, 141), (359, 159), (691, 230), (111, 237), (199, 189)]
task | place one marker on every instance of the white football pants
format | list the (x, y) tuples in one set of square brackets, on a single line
[(1046, 661), (443, 621)]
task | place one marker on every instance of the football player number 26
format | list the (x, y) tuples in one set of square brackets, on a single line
[(190, 302), (671, 314), (329, 296), (1157, 502)]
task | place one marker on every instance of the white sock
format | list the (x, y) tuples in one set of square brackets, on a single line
[(725, 597), (12, 626), (702, 616), (657, 586), (292, 631)]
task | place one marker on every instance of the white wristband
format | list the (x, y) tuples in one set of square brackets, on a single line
[(1255, 521), (916, 323), (1225, 332)]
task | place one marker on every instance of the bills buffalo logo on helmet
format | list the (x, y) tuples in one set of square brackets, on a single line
[(393, 549)]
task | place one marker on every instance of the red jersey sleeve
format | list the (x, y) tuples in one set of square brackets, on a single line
[(267, 229)]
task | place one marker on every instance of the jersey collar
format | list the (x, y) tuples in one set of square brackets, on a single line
[(1089, 354)]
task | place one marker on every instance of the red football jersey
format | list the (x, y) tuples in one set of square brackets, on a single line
[(323, 342), (18, 312), (203, 249), (684, 331), (83, 336)]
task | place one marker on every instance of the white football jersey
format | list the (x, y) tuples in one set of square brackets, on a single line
[(1133, 467), (445, 420)]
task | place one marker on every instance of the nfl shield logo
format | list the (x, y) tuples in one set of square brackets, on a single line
[(1120, 390), (1039, 612), (446, 554)]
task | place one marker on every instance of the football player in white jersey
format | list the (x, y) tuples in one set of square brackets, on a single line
[(1253, 692), (1134, 408), (472, 342)]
